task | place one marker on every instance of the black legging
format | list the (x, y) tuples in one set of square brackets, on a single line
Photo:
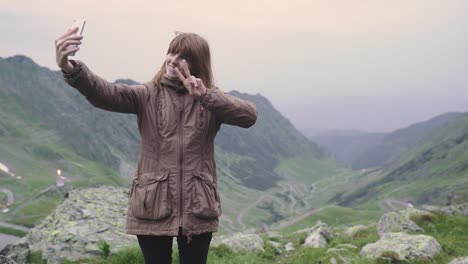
[(158, 249)]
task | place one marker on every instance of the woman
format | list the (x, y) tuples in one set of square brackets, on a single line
[(174, 189)]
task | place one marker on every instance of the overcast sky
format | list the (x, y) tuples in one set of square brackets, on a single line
[(371, 65)]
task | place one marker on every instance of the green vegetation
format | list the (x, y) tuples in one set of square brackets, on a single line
[(105, 248), (11, 231)]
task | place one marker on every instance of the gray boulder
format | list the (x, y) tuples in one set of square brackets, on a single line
[(74, 229), (405, 246), (315, 240), (318, 236), (240, 241), (400, 221)]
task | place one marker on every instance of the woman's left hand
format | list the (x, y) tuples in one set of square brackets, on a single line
[(194, 85)]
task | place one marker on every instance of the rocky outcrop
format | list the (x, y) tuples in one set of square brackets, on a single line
[(74, 229), (400, 221), (403, 246), (458, 209), (240, 241)]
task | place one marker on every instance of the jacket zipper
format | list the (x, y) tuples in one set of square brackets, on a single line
[(181, 208)]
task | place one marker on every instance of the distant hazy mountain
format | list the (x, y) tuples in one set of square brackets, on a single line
[(364, 150), (433, 169)]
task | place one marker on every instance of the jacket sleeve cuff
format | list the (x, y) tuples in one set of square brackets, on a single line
[(71, 76)]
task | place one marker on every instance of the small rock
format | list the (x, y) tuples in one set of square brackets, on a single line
[(319, 236), (315, 240), (289, 247)]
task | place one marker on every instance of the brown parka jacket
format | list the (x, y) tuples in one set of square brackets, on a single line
[(175, 182)]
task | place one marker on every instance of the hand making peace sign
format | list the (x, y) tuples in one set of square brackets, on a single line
[(194, 85)]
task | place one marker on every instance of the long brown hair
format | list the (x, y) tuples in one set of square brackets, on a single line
[(196, 51)]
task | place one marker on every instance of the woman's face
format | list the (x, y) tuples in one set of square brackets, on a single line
[(173, 61)]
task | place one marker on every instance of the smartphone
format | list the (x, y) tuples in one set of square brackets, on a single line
[(80, 23)]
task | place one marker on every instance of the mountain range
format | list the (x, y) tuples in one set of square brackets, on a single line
[(270, 174)]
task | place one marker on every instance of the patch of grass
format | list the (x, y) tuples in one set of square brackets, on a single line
[(223, 254), (36, 258), (307, 255), (11, 231), (105, 248), (34, 212)]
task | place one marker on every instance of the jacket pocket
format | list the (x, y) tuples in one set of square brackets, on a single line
[(205, 196), (150, 197)]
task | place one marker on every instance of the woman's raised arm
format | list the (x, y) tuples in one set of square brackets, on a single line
[(122, 98)]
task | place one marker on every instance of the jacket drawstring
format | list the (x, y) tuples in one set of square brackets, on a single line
[(189, 237)]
